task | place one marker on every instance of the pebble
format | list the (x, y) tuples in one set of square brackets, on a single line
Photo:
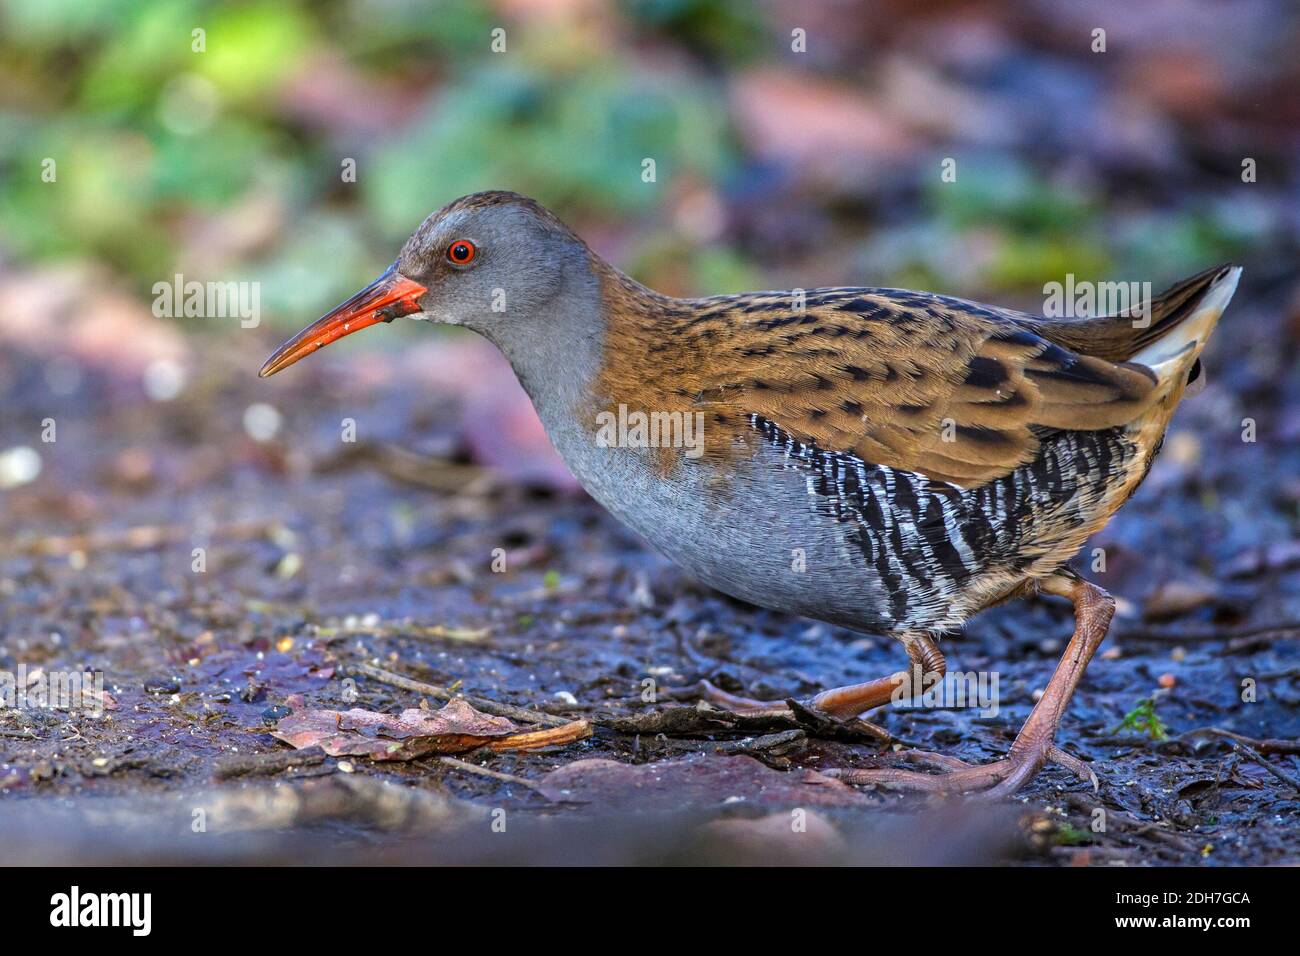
[(276, 713)]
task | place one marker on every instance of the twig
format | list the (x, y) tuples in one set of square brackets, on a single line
[(543, 593), (240, 765), (1130, 824), (1254, 756), (442, 693), (537, 739), (1265, 746), (755, 746), (432, 632), (20, 734), (485, 772), (141, 538), (403, 465), (1286, 778)]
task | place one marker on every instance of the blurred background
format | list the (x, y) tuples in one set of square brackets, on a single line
[(774, 167), (794, 145)]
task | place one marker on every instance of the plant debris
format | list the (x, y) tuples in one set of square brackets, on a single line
[(454, 729)]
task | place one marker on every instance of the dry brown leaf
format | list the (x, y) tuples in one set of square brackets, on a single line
[(454, 729)]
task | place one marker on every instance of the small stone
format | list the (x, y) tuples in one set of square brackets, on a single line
[(162, 685), (275, 713)]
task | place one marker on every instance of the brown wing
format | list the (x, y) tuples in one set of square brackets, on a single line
[(952, 390)]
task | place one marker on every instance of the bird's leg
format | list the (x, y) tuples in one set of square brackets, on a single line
[(1033, 746), (927, 668)]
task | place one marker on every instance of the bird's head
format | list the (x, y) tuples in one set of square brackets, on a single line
[(485, 261)]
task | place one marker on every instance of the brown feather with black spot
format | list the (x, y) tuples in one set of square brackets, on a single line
[(925, 383)]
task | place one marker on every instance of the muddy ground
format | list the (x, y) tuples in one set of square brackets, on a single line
[(329, 565)]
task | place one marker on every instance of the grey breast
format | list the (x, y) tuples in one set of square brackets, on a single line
[(752, 532)]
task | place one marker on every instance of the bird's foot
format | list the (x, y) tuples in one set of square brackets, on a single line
[(816, 720), (1001, 778), (816, 709), (1035, 745), (845, 703)]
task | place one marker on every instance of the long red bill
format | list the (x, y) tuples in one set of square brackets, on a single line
[(390, 296)]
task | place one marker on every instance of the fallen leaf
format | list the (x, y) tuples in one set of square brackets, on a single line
[(455, 728), (415, 732)]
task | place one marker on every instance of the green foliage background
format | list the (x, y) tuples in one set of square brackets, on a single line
[(159, 149)]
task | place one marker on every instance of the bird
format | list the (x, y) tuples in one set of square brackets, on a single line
[(885, 460)]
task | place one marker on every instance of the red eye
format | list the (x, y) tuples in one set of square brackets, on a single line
[(461, 252)]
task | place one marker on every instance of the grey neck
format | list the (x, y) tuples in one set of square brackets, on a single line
[(556, 351)]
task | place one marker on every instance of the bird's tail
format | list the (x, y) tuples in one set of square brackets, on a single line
[(1181, 322), (1166, 334)]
